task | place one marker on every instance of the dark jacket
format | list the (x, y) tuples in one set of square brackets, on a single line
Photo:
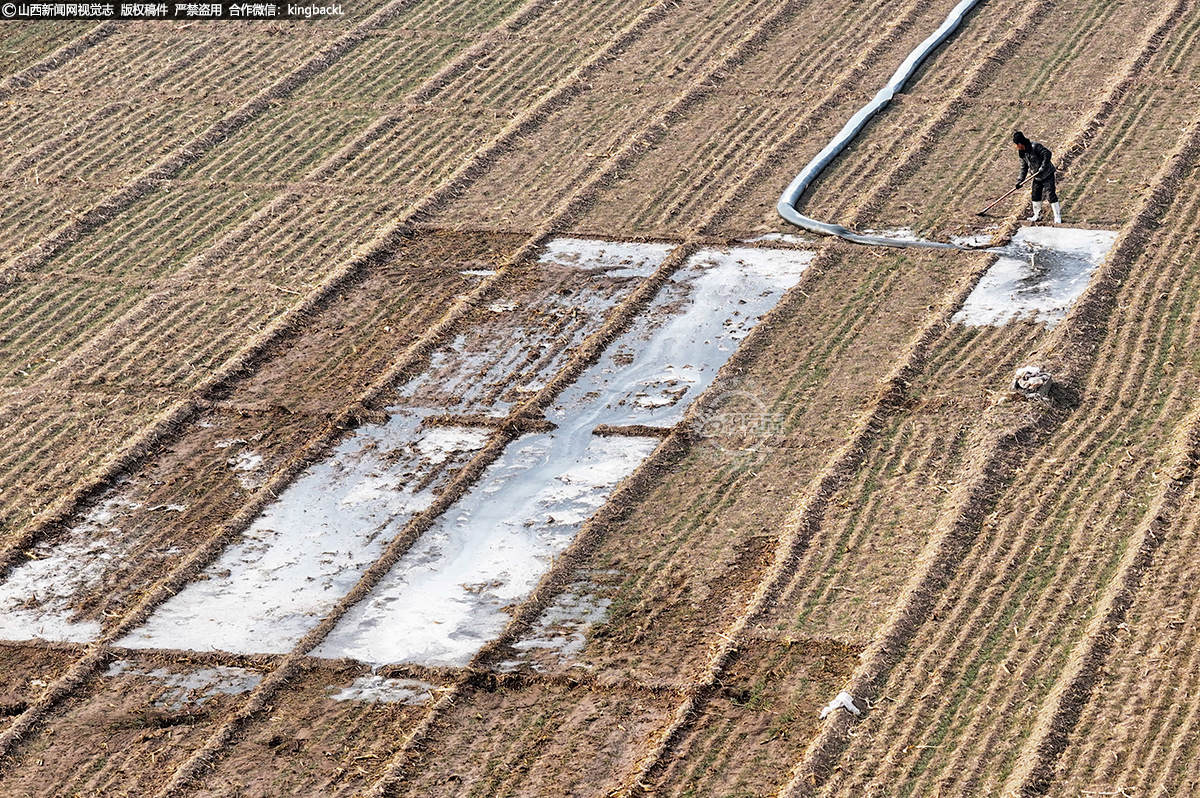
[(1035, 160)]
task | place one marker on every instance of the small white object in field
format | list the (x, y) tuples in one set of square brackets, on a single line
[(1031, 381), (843, 699)]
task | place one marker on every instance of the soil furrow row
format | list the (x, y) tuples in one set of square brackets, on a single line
[(1074, 689), (199, 760), (951, 648), (980, 167), (961, 627), (1042, 625), (801, 525), (20, 80), (1130, 243), (1155, 703), (995, 452), (800, 124), (193, 150), (72, 135), (1076, 39), (1092, 447), (1183, 51), (226, 246), (1175, 746), (513, 73), (974, 711), (723, 487), (907, 154), (453, 16), (868, 676), (682, 715), (541, 595), (1149, 710), (938, 442), (1090, 178), (884, 26), (821, 577), (181, 223)]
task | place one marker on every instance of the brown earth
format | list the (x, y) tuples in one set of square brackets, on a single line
[(226, 237)]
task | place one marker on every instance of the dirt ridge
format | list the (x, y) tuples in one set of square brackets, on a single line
[(869, 678), (847, 460), (167, 167), (25, 77), (532, 407), (64, 507), (1097, 303)]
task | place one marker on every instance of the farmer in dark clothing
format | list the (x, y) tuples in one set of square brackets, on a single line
[(1035, 159)]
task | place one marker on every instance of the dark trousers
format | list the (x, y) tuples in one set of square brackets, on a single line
[(1045, 184)]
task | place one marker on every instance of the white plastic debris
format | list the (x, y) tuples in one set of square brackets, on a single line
[(1031, 381), (843, 699)]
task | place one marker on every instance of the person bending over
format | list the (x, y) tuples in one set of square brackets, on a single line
[(1036, 160)]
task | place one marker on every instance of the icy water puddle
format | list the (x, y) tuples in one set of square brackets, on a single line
[(673, 352), (448, 595), (1039, 275), (191, 688)]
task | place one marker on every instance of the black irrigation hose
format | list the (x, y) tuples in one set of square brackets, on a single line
[(787, 202)]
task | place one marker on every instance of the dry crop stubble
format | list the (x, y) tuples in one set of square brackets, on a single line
[(282, 324), (971, 138), (220, 515), (856, 567), (30, 51), (514, 778), (1135, 378), (1144, 709), (81, 670), (200, 760)]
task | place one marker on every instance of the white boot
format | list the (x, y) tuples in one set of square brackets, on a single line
[(1037, 211), (1056, 207)]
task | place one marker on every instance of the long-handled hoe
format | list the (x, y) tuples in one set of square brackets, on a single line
[(1006, 196)]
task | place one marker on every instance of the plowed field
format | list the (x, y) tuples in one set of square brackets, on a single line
[(289, 311)]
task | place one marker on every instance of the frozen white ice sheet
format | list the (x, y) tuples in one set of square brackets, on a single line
[(310, 547), (36, 599), (447, 596), (674, 351)]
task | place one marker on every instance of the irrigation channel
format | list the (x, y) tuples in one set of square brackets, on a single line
[(449, 592), (309, 548)]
